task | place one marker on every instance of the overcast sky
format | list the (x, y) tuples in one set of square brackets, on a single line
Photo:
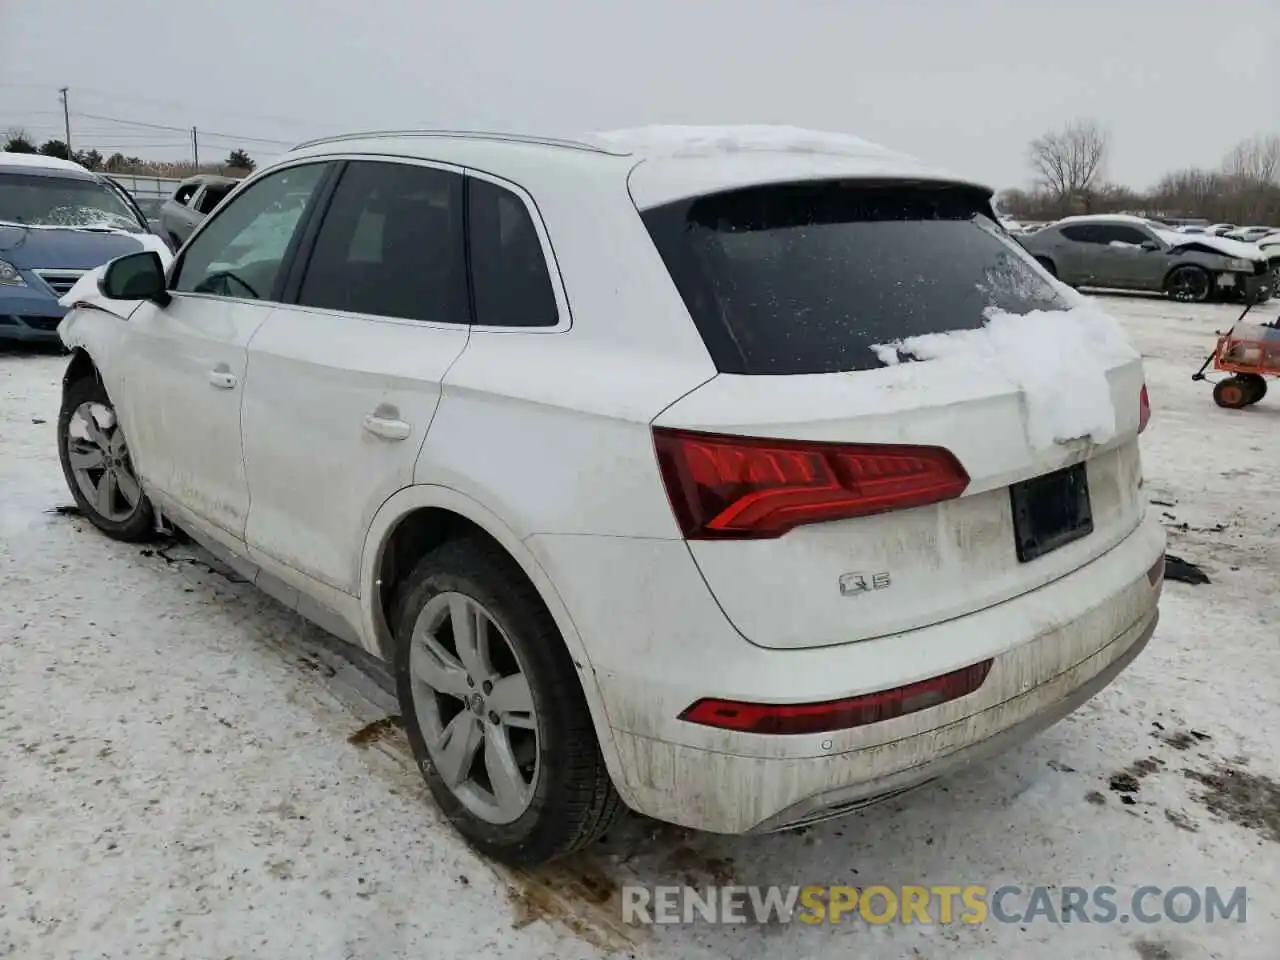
[(965, 84)]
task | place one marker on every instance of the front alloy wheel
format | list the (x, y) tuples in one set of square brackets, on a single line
[(97, 465), (1189, 285)]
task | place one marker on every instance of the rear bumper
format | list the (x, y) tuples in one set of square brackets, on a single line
[(1041, 708), (1052, 649)]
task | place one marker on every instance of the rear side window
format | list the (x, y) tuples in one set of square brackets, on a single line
[(391, 245), (806, 278), (509, 276)]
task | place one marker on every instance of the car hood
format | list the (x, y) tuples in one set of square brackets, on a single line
[(42, 248), (1228, 248)]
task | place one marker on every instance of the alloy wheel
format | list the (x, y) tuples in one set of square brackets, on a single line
[(1189, 285), (474, 707), (100, 463)]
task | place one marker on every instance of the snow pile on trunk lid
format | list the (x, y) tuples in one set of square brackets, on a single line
[(1057, 360), (692, 141)]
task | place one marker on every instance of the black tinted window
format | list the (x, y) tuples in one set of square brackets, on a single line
[(806, 278), (1118, 233), (1083, 234), (391, 245), (511, 285)]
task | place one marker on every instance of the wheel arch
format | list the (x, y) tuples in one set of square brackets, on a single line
[(420, 516), (80, 366)]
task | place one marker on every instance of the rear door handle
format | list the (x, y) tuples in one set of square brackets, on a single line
[(388, 428), (222, 379)]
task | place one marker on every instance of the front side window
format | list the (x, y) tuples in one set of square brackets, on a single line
[(806, 278), (391, 245), (81, 203), (1129, 236), (509, 276), (241, 250)]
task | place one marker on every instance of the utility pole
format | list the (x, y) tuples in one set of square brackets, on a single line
[(66, 119), (195, 148)]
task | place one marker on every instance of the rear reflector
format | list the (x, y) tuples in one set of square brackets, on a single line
[(726, 487), (1144, 409), (773, 718)]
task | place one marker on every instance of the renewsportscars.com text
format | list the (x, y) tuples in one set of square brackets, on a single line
[(971, 904)]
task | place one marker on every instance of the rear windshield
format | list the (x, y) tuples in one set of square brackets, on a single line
[(806, 278)]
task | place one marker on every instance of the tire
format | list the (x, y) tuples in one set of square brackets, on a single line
[(132, 522), (1048, 265), (1255, 385), (1232, 393), (1188, 284), (568, 800)]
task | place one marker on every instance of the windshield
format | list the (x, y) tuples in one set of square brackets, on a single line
[(39, 201), (807, 278)]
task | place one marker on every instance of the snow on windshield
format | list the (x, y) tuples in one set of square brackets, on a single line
[(32, 200)]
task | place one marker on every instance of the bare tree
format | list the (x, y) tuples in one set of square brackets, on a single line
[(1256, 160), (1068, 163)]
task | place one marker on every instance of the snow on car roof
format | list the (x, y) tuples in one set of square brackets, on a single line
[(663, 163), (679, 162), (39, 160)]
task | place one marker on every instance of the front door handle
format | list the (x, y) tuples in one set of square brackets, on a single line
[(388, 428), (222, 378)]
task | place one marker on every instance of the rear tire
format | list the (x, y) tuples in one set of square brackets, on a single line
[(564, 797), (1232, 393), (88, 432), (1256, 386)]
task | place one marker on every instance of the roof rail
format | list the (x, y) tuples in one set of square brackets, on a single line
[(460, 134)]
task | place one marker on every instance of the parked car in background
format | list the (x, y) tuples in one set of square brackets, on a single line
[(1131, 253), (646, 519), (1270, 247), (1220, 229), (1249, 234), (151, 207), (57, 221), (193, 200)]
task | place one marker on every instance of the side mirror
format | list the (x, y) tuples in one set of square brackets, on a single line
[(135, 276), (1150, 246)]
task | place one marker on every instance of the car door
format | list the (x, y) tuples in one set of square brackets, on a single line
[(182, 215), (187, 359), (1127, 264), (346, 378), (1075, 253)]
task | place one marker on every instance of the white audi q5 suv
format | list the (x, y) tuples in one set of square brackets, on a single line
[(740, 476)]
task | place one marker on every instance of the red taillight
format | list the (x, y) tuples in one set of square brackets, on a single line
[(772, 718), (725, 487), (1144, 409)]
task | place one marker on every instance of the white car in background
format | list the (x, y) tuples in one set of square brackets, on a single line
[(650, 463)]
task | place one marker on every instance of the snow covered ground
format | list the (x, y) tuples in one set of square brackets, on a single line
[(187, 770)]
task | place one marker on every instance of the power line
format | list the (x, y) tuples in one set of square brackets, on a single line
[(207, 133)]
